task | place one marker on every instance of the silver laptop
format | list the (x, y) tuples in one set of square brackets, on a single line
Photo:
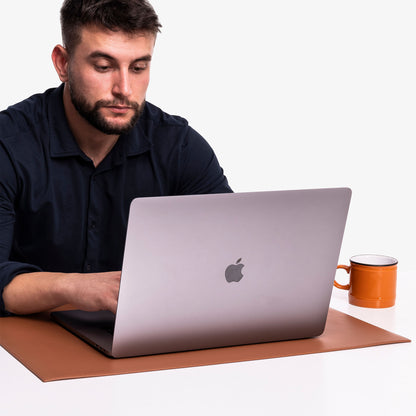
[(208, 271)]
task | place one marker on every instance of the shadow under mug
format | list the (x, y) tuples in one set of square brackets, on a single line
[(372, 281)]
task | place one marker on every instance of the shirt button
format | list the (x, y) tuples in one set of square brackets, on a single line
[(88, 267)]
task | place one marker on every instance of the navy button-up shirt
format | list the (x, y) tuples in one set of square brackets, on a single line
[(59, 213)]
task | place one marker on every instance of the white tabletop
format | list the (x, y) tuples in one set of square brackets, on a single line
[(377, 380)]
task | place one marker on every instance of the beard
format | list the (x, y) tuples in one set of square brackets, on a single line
[(91, 112)]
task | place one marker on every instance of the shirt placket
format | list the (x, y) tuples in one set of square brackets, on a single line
[(92, 247)]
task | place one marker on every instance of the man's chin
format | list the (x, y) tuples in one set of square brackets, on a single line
[(114, 129), (115, 125), (110, 125)]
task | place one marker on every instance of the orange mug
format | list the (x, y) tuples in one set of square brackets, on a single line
[(372, 281)]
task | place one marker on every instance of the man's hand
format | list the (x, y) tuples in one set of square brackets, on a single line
[(93, 291), (37, 292)]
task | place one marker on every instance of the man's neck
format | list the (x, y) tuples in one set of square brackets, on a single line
[(95, 144)]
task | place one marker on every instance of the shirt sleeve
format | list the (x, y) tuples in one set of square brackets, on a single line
[(200, 170), (8, 192)]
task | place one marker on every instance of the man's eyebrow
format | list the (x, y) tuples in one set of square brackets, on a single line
[(98, 54), (146, 58)]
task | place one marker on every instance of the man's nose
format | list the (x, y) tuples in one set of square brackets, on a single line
[(121, 84)]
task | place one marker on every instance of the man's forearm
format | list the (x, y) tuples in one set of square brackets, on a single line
[(40, 291)]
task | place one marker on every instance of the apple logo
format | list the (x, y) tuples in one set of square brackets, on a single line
[(233, 272)]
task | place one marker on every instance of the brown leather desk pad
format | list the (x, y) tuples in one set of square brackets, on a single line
[(52, 353)]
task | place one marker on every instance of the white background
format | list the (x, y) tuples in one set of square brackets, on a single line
[(290, 94)]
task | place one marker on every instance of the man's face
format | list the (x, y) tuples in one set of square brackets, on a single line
[(108, 75)]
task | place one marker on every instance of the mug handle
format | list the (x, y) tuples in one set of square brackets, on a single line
[(336, 284)]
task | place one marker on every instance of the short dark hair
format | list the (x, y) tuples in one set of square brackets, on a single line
[(129, 16)]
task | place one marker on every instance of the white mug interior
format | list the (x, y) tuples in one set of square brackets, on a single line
[(373, 260)]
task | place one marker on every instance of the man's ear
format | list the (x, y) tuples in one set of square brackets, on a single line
[(60, 61)]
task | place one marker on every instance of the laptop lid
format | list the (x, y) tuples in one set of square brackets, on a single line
[(207, 271)]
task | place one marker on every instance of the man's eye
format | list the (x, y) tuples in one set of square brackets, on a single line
[(102, 68), (138, 69)]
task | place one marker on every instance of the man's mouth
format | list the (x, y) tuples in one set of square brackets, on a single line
[(119, 109)]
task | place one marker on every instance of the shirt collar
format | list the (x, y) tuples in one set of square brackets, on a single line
[(63, 143)]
